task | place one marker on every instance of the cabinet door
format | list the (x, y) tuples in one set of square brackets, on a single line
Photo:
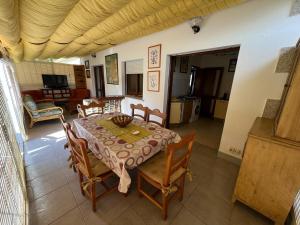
[(288, 121), (269, 178)]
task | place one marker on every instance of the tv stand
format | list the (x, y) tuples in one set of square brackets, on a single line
[(57, 94)]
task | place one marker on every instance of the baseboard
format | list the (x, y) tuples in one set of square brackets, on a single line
[(229, 158)]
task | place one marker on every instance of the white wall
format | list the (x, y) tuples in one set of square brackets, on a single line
[(260, 27), (29, 74)]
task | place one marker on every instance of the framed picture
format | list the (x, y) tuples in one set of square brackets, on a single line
[(111, 67), (232, 65), (153, 81), (184, 64), (87, 64), (88, 73), (154, 56)]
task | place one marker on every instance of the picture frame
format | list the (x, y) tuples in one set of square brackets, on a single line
[(87, 64), (111, 67), (184, 64), (232, 65), (153, 81), (154, 56), (88, 73)]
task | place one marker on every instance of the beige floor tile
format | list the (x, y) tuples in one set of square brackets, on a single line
[(72, 217), (108, 208), (50, 207), (75, 188), (208, 207), (186, 217), (47, 183), (243, 215), (152, 215), (129, 217)]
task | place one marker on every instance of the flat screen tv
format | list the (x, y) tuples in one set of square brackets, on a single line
[(55, 81)]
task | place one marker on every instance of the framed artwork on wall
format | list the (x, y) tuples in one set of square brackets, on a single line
[(87, 64), (232, 65), (184, 64), (153, 80), (111, 67), (154, 56), (88, 73)]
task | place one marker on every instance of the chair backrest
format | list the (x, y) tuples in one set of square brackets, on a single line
[(92, 109), (79, 149), (156, 113), (177, 156), (141, 109)]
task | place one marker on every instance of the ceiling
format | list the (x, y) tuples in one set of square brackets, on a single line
[(40, 29)]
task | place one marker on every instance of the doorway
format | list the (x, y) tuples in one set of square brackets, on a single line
[(99, 81), (199, 93)]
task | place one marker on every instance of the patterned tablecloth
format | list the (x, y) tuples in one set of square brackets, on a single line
[(115, 152)]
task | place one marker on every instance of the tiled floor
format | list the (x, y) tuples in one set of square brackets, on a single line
[(208, 131), (55, 197)]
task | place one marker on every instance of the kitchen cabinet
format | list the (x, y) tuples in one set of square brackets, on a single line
[(220, 109)]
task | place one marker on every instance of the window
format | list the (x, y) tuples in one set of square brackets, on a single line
[(13, 194), (134, 85), (134, 78)]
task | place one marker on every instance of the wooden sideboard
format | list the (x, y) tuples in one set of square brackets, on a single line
[(269, 176)]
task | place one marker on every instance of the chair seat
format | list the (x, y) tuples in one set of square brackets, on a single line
[(98, 167), (155, 167)]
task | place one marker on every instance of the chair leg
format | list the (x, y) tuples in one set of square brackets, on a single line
[(164, 206), (93, 190), (181, 186), (139, 185), (80, 181), (31, 124)]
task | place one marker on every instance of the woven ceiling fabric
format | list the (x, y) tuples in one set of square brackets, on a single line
[(32, 29)]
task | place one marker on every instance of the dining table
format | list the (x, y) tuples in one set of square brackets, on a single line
[(122, 149)]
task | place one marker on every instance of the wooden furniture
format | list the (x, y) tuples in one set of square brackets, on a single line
[(41, 110), (288, 119), (91, 109), (220, 109), (156, 113), (77, 95), (67, 145), (79, 73), (61, 94), (140, 108), (166, 172), (90, 169), (269, 175), (121, 148)]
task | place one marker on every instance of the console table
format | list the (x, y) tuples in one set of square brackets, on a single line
[(61, 94)]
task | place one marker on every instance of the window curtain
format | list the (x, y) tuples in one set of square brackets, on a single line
[(12, 92), (13, 196)]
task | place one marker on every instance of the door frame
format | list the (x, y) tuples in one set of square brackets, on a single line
[(199, 52), (94, 80)]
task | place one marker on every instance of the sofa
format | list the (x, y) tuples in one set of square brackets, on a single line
[(41, 110)]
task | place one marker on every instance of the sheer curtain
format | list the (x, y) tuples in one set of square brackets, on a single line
[(13, 96), (13, 196)]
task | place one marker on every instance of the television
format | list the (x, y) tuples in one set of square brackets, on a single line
[(55, 81)]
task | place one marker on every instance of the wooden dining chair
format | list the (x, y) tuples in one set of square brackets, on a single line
[(65, 126), (90, 169), (156, 113), (166, 172), (91, 109), (141, 109)]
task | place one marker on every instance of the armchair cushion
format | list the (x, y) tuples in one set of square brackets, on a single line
[(30, 103), (155, 168), (51, 112), (45, 105)]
